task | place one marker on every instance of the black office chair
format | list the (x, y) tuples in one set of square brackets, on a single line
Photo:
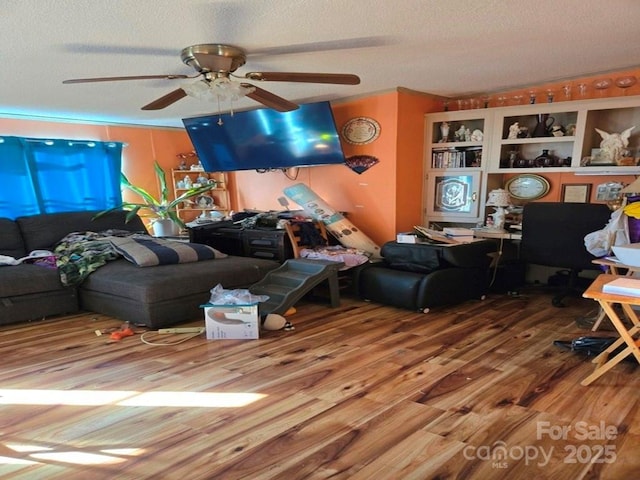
[(553, 236)]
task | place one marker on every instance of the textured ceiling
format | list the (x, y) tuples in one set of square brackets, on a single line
[(452, 48)]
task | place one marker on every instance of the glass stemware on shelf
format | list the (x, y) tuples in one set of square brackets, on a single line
[(550, 95), (625, 82), (463, 103), (582, 89), (601, 85)]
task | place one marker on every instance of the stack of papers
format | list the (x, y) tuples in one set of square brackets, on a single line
[(623, 286)]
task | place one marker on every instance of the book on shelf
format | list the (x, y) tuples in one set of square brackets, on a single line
[(623, 286), (454, 158)]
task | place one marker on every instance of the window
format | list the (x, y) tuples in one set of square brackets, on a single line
[(46, 176)]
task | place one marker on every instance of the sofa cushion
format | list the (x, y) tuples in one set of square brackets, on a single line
[(26, 279), (146, 251), (411, 257), (163, 283), (10, 239), (42, 232)]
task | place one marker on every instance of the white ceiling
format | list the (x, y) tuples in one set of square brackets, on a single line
[(450, 48)]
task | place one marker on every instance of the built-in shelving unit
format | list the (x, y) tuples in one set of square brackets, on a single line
[(456, 150), (216, 200), (460, 171), (536, 135)]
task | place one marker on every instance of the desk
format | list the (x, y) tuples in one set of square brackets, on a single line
[(501, 234), (508, 269), (607, 301)]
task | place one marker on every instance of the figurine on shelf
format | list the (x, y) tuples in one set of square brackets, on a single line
[(188, 183), (477, 135), (614, 145), (183, 165), (197, 167), (459, 134), (514, 131), (202, 180), (444, 132)]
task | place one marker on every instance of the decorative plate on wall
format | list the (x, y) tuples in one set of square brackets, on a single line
[(360, 130)]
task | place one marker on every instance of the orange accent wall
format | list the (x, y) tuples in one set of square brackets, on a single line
[(384, 199), (410, 157), (368, 199)]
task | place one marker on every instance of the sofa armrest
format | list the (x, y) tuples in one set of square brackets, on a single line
[(470, 255)]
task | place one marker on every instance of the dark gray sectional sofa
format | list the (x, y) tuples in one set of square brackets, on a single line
[(154, 296)]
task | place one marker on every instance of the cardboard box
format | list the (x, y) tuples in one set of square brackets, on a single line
[(225, 322)]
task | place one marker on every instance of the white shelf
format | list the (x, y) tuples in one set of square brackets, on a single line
[(610, 115)]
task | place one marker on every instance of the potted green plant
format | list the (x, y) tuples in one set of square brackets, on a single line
[(162, 210)]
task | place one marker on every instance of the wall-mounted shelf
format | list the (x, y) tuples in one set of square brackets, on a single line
[(190, 210)]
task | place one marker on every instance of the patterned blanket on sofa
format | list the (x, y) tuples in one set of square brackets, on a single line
[(80, 253)]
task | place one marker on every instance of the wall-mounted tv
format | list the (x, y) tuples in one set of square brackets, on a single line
[(265, 139)]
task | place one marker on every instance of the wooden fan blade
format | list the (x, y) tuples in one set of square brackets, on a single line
[(165, 101), (337, 78), (270, 100), (117, 79)]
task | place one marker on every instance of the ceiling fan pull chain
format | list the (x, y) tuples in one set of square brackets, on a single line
[(220, 122), (231, 107)]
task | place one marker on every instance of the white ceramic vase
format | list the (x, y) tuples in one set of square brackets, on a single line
[(165, 227)]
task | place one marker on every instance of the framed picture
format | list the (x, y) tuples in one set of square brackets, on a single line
[(608, 191), (576, 192)]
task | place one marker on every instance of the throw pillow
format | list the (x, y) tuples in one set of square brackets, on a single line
[(147, 251)]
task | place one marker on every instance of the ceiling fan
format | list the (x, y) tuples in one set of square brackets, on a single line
[(215, 63)]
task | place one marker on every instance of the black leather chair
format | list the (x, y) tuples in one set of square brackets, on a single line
[(553, 236), (421, 276)]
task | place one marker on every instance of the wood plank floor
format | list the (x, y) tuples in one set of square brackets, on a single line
[(364, 391)]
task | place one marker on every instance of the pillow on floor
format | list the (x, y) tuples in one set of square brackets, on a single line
[(147, 251)]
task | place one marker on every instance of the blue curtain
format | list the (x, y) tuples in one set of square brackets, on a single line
[(45, 176)]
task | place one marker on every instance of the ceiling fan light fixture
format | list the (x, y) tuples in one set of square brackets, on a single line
[(218, 89), (199, 89), (224, 88)]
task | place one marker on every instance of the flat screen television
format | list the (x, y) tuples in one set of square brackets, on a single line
[(265, 139)]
